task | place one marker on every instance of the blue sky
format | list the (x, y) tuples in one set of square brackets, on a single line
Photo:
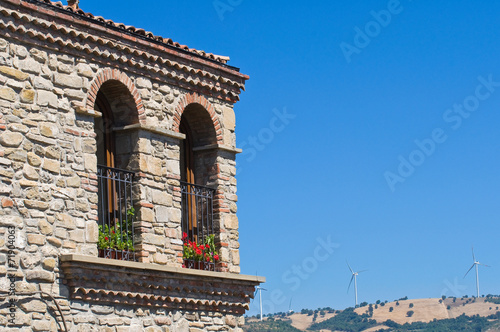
[(324, 129)]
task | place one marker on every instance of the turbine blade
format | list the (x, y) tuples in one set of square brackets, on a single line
[(484, 264), (473, 257), (349, 267), (362, 271), (350, 283), (264, 289), (469, 269)]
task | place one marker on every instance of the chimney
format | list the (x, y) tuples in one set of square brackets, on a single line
[(73, 4)]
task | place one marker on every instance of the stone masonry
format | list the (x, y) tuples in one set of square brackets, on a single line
[(54, 62)]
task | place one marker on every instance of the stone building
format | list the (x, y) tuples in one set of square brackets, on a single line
[(117, 178)]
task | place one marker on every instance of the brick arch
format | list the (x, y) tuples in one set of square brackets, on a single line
[(194, 98), (114, 74)]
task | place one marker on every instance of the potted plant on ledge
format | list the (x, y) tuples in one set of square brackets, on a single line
[(116, 241), (200, 256)]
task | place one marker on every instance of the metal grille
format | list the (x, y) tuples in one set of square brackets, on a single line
[(116, 213), (197, 219)]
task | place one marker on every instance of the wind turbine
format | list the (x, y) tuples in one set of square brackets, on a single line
[(260, 289), (475, 264), (354, 275)]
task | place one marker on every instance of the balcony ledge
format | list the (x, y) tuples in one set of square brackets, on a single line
[(103, 280)]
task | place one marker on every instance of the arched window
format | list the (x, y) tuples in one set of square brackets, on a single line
[(115, 204), (198, 177)]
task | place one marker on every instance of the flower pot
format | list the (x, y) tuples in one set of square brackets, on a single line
[(125, 255), (197, 265)]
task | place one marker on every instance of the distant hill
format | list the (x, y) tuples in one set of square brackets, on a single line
[(448, 314)]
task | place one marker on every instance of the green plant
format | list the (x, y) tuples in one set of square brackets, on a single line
[(118, 236)]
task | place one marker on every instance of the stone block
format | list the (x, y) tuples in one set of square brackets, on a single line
[(143, 83), (73, 181), (11, 221), (18, 127), (33, 204), (231, 320), (90, 162), (38, 55), (70, 81), (34, 305), (49, 264), (146, 214), (42, 84), (52, 166), (49, 129), (18, 155), (162, 198), (11, 139), (92, 231), (40, 275), (27, 96), (30, 65), (30, 172), (229, 118), (8, 94), (235, 255), (44, 325), (45, 227), (14, 73), (160, 258), (153, 239), (52, 152), (85, 70), (231, 221), (163, 320), (36, 239), (66, 221), (54, 241), (47, 98)]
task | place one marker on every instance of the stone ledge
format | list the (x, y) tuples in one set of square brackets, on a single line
[(218, 147), (156, 130), (103, 262), (84, 111), (101, 280)]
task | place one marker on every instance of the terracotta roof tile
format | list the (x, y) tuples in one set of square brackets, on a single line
[(138, 31)]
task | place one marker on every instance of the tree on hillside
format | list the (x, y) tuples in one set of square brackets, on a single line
[(410, 313), (391, 309), (411, 305)]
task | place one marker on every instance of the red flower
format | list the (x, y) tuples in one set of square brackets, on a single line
[(184, 236), (216, 257), (106, 238), (198, 251), (208, 259), (202, 247)]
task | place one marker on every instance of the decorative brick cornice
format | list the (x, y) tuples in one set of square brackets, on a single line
[(138, 284), (194, 98), (110, 47), (114, 74)]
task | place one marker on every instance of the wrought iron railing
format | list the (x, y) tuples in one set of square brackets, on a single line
[(116, 213), (197, 224)]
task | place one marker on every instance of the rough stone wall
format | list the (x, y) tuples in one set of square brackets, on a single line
[(48, 165)]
